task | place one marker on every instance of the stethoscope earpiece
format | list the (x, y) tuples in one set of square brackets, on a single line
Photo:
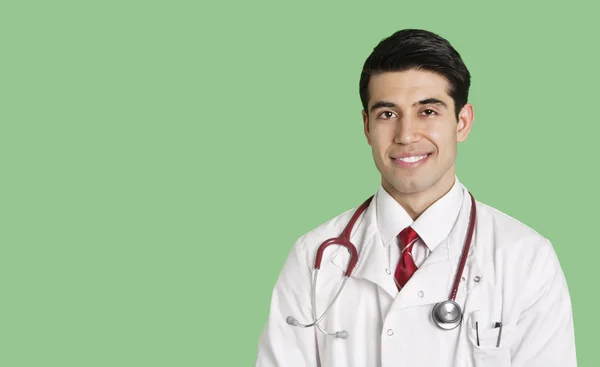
[(343, 334)]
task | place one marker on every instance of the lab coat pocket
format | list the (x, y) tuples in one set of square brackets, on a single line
[(487, 353)]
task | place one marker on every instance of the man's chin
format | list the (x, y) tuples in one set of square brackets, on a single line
[(407, 186)]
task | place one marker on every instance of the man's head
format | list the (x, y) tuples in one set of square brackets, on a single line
[(414, 89)]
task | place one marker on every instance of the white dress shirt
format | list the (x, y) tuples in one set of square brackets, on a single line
[(432, 226)]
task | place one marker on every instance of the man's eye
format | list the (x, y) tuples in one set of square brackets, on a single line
[(387, 114), (429, 112)]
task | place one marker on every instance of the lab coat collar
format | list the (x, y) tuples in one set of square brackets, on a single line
[(433, 225), (434, 278)]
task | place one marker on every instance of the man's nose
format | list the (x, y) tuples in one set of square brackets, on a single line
[(407, 131)]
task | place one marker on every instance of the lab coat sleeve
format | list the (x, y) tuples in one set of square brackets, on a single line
[(548, 338), (281, 344)]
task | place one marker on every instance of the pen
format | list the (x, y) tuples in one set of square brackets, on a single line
[(476, 320), (498, 325)]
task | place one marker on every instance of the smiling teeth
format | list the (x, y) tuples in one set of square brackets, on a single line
[(413, 159)]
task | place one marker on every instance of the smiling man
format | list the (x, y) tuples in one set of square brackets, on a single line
[(437, 278), (413, 130)]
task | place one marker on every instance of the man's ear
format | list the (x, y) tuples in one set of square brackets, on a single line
[(365, 118), (465, 122)]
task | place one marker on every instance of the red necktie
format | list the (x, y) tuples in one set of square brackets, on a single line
[(406, 265)]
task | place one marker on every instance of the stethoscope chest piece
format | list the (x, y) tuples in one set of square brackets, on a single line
[(447, 315)]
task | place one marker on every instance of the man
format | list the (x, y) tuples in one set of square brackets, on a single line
[(514, 307)]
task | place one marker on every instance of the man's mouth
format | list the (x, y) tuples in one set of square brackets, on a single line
[(411, 161)]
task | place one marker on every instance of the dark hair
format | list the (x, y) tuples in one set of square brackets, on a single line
[(422, 50)]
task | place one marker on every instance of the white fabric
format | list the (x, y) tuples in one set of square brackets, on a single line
[(512, 275), (432, 226)]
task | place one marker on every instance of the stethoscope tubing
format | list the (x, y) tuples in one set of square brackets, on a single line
[(344, 240), (466, 248), (314, 301)]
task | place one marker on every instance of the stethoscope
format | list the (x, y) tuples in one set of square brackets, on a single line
[(447, 314)]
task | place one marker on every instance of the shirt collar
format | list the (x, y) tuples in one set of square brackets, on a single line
[(432, 226)]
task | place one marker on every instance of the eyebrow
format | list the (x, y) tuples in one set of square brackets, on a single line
[(422, 102)]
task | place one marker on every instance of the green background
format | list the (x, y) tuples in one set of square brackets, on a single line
[(159, 159)]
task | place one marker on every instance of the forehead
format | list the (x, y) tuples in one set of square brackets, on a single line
[(408, 86)]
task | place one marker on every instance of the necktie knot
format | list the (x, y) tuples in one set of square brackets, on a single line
[(406, 237)]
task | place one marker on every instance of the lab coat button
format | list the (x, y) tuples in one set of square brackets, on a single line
[(420, 294), (390, 332), (388, 271), (477, 279)]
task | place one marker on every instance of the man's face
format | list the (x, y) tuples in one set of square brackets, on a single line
[(412, 129)]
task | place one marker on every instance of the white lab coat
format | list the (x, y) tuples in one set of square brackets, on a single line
[(512, 275)]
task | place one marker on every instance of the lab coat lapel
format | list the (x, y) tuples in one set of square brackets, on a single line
[(473, 275), (372, 260), (431, 283)]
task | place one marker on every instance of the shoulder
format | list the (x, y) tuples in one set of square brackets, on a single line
[(333, 227), (508, 243), (309, 243), (507, 232)]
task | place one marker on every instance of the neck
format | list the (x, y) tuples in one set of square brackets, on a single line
[(416, 203)]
